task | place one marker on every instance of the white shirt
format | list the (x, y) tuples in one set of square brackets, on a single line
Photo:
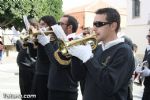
[(148, 47), (112, 43), (74, 36)]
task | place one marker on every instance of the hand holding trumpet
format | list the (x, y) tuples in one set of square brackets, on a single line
[(143, 69), (83, 52), (42, 38)]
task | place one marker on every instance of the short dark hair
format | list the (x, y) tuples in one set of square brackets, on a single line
[(112, 15), (49, 20), (72, 21)]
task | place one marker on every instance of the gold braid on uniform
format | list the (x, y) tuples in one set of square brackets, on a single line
[(63, 60)]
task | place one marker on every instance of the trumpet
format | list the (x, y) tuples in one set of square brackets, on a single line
[(33, 33), (63, 46)]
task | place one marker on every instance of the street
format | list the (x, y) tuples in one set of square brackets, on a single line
[(9, 82)]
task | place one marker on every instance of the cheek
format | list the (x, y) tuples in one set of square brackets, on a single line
[(63, 28), (100, 33)]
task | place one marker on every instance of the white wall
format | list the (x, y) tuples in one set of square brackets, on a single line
[(138, 35), (137, 28), (144, 13), (89, 18)]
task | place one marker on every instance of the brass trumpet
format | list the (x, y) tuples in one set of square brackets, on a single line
[(91, 39), (33, 36), (35, 32)]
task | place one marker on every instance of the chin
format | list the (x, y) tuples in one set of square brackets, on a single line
[(98, 39)]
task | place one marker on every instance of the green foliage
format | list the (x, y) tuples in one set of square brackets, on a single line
[(12, 11)]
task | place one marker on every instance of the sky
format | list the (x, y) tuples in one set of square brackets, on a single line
[(68, 4)]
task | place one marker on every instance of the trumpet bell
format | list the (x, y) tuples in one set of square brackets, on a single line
[(93, 43)]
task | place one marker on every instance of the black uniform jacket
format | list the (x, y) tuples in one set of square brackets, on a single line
[(24, 58), (42, 63), (147, 79), (60, 77), (107, 74)]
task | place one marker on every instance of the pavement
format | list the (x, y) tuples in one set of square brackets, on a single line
[(9, 80)]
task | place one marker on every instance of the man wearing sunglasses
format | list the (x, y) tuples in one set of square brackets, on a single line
[(108, 69)]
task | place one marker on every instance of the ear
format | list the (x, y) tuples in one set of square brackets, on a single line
[(69, 28), (113, 26)]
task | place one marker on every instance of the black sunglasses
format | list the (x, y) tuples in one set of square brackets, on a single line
[(100, 24), (148, 36)]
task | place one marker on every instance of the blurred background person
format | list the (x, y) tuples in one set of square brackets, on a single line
[(26, 59), (1, 49), (146, 70)]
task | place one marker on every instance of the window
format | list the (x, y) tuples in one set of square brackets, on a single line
[(136, 8)]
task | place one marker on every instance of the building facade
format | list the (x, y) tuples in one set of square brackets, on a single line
[(85, 14), (138, 22)]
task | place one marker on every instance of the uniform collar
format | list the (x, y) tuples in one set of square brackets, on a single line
[(111, 43), (148, 47)]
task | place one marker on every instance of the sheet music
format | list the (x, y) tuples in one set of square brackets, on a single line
[(27, 24), (59, 32), (15, 32)]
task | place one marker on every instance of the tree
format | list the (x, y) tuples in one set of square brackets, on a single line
[(12, 11)]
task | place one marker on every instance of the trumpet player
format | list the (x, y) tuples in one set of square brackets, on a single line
[(26, 59), (61, 85), (145, 71), (42, 64), (108, 69)]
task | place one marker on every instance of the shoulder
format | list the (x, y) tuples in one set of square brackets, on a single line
[(124, 47), (124, 50)]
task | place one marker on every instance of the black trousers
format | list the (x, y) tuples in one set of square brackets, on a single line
[(62, 95), (130, 90), (39, 87), (146, 94), (25, 80)]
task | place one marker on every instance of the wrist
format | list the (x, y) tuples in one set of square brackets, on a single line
[(88, 57)]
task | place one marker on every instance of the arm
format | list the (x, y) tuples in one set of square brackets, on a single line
[(78, 69), (145, 55), (50, 50), (18, 45), (32, 50), (112, 77), (146, 71)]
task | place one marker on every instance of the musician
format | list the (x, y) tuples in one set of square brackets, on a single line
[(108, 69), (26, 61), (1, 49), (146, 72), (61, 86), (43, 63)]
